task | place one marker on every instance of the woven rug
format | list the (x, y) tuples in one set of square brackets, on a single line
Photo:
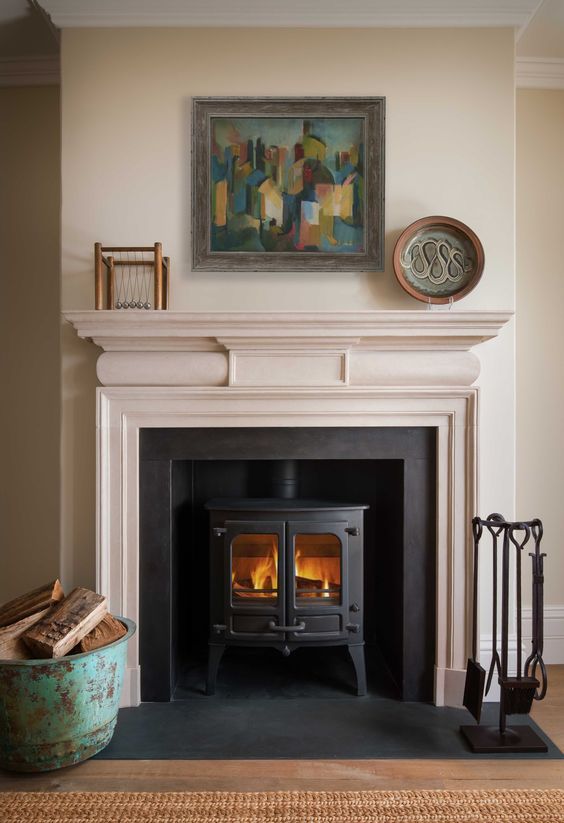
[(517, 806)]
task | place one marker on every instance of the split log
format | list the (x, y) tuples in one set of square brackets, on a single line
[(67, 624), (35, 601), (12, 646), (107, 631), (307, 583), (243, 584)]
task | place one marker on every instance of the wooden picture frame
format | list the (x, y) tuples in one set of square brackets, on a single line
[(266, 197)]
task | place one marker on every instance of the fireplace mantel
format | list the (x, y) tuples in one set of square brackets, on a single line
[(289, 369), (216, 331), (281, 349)]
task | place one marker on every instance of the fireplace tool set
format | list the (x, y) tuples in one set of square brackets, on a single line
[(518, 690)]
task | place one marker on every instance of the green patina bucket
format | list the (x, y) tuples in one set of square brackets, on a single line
[(54, 713)]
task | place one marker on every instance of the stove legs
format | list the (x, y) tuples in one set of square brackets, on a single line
[(214, 658), (357, 657), (216, 653)]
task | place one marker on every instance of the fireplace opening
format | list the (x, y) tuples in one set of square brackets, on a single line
[(391, 471)]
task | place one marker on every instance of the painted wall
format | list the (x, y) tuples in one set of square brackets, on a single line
[(29, 338), (126, 180), (540, 334)]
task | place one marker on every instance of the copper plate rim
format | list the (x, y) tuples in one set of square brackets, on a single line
[(438, 220)]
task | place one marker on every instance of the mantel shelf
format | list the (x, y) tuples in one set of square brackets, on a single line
[(219, 331)]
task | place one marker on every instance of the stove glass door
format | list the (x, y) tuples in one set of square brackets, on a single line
[(317, 573), (254, 569), (317, 569)]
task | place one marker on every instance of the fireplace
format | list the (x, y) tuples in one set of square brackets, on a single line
[(387, 572), (181, 371), (287, 574)]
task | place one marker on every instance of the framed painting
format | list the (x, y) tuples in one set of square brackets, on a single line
[(288, 184)]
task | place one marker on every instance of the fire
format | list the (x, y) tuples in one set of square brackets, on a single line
[(254, 571), (317, 572), (265, 573), (255, 568)]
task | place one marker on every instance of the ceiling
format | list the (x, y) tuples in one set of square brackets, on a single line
[(27, 33), (544, 35)]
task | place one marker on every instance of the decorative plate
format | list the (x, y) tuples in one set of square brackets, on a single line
[(438, 259)]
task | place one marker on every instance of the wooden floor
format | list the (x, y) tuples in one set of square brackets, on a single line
[(335, 775)]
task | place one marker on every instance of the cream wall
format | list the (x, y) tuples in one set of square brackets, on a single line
[(540, 330), (126, 98), (29, 338)]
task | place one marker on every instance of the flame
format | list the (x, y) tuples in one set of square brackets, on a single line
[(324, 570), (255, 568), (252, 572), (266, 571)]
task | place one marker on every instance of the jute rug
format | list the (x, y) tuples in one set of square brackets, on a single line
[(517, 806)]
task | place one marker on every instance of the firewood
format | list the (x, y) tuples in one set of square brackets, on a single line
[(243, 584), (30, 603), (12, 646), (67, 624), (306, 583), (107, 631)]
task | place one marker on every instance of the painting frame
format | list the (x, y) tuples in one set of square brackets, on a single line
[(371, 110)]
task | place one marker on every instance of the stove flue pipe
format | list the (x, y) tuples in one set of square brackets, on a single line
[(285, 479)]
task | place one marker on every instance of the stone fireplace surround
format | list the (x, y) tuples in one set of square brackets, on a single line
[(286, 369)]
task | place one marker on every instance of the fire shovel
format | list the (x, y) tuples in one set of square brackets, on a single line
[(475, 673)]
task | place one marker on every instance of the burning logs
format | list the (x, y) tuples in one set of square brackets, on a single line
[(306, 583), (306, 587), (246, 588)]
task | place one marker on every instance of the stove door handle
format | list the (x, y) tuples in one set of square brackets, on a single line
[(298, 627)]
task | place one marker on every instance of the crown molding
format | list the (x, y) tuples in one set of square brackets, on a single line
[(301, 13), (30, 71), (539, 73)]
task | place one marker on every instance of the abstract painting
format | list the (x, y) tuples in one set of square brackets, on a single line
[(282, 184)]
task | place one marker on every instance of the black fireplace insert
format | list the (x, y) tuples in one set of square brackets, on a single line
[(389, 469)]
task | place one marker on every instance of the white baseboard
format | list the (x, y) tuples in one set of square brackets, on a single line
[(131, 690), (449, 686), (553, 633), (553, 643)]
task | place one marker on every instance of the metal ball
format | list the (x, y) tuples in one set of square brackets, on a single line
[(126, 305), (147, 305), (118, 305), (139, 304)]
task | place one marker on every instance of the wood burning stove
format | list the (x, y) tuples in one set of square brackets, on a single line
[(286, 573)]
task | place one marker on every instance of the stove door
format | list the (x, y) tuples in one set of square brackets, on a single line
[(317, 574), (254, 579)]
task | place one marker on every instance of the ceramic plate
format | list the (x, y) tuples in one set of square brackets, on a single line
[(438, 259)]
